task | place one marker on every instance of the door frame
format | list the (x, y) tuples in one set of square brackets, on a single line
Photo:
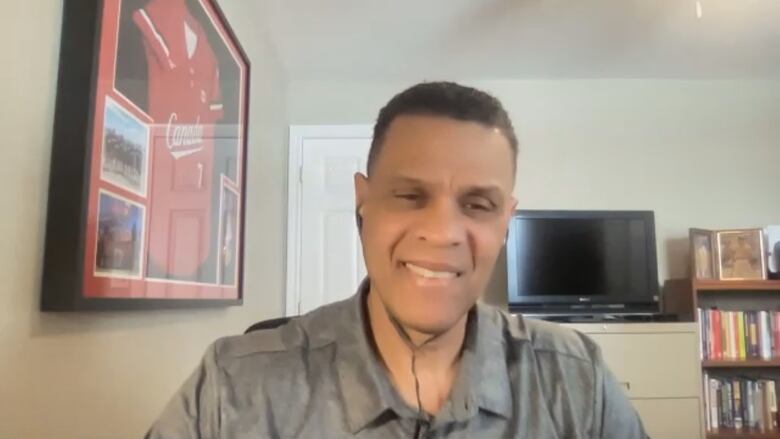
[(298, 136)]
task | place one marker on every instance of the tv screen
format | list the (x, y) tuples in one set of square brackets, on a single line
[(582, 259)]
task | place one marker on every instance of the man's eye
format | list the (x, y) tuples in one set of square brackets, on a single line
[(408, 196), (479, 205)]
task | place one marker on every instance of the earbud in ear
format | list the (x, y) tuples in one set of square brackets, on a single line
[(359, 219)]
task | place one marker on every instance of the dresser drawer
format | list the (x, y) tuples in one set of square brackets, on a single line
[(670, 418), (649, 365)]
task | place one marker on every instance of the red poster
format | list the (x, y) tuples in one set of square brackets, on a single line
[(165, 145)]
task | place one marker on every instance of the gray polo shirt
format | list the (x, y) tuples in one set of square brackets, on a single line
[(318, 376)]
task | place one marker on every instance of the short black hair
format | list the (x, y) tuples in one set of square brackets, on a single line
[(447, 99)]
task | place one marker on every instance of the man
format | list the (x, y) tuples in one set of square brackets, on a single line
[(413, 354)]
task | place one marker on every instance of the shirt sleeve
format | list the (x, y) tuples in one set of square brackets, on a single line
[(619, 419), (194, 412), (152, 38)]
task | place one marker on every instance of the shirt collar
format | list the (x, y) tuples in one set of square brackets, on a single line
[(483, 381), (487, 371), (365, 387)]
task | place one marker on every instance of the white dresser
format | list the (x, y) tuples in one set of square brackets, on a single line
[(658, 365)]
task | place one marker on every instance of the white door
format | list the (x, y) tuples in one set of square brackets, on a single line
[(325, 259)]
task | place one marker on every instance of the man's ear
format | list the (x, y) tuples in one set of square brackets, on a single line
[(512, 205), (510, 210), (361, 195)]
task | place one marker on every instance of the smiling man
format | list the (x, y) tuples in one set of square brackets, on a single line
[(413, 353)]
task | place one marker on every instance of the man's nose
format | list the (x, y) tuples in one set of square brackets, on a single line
[(441, 224)]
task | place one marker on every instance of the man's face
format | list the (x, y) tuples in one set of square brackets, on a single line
[(435, 214)]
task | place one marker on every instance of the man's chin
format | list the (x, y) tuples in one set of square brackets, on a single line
[(429, 326)]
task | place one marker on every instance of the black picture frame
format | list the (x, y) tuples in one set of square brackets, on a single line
[(72, 171)]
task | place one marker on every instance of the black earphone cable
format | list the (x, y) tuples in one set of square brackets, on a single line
[(421, 415)]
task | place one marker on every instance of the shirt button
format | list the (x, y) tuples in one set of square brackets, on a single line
[(192, 83), (192, 71)]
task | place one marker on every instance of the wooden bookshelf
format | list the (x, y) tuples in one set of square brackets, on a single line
[(712, 364), (685, 296), (733, 434), (736, 285), (681, 296)]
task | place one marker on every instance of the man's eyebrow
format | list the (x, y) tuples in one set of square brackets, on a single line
[(408, 180), (483, 190)]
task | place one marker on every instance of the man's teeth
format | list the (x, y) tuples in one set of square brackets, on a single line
[(424, 272)]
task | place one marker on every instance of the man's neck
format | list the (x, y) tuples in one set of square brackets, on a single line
[(437, 356)]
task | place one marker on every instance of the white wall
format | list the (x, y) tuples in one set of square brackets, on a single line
[(698, 153), (107, 375)]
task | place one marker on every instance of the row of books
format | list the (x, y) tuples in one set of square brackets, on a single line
[(743, 404), (739, 335)]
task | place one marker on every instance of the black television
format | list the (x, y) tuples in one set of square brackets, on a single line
[(582, 262)]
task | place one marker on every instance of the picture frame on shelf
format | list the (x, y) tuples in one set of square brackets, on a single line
[(704, 265), (148, 169), (741, 254), (772, 235)]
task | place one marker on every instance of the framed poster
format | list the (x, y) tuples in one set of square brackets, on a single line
[(704, 264), (146, 193), (741, 254)]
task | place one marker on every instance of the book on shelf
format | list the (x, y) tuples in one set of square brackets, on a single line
[(739, 335), (740, 403)]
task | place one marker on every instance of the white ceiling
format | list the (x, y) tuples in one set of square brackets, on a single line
[(493, 39)]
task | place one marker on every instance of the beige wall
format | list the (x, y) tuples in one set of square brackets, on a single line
[(107, 375), (698, 153)]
